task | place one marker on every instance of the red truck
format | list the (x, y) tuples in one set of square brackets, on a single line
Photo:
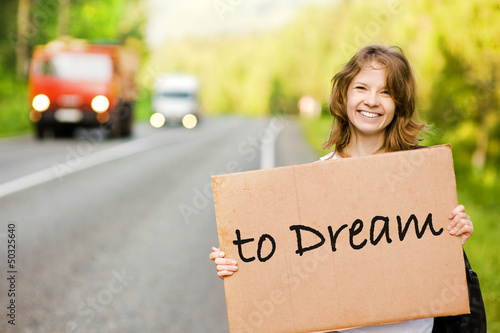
[(75, 84)]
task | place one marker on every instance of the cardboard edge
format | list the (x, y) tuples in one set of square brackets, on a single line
[(216, 202), (217, 180), (447, 145), (464, 274)]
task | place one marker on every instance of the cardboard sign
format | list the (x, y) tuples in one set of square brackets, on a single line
[(341, 243)]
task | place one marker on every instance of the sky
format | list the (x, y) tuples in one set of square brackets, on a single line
[(170, 20)]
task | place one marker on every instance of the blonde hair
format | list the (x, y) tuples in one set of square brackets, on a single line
[(402, 133)]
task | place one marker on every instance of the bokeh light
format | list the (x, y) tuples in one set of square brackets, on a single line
[(157, 120), (189, 121), (100, 103), (41, 102)]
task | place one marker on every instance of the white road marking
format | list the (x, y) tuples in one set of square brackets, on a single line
[(268, 144), (85, 162)]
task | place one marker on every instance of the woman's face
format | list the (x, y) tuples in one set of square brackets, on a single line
[(370, 108)]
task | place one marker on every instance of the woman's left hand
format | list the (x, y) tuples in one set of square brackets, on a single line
[(460, 223)]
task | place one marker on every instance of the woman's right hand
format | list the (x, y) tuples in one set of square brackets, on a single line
[(225, 267)]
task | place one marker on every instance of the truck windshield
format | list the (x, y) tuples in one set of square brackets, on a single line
[(79, 67)]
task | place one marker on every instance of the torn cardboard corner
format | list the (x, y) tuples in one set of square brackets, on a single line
[(341, 243)]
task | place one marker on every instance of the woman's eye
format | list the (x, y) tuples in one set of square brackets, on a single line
[(385, 92), (360, 88)]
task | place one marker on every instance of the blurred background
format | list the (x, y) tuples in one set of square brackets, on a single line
[(253, 61)]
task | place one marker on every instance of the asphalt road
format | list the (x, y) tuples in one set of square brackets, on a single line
[(114, 236)]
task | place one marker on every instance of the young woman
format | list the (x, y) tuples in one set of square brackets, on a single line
[(374, 109)]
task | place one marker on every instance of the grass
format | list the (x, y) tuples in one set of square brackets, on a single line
[(481, 201), (14, 108), (143, 109)]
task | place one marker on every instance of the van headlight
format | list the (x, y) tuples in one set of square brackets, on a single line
[(41, 102), (100, 104), (157, 120), (189, 121)]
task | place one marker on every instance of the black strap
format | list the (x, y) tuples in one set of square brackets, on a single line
[(475, 322)]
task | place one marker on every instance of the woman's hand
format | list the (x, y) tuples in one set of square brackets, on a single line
[(225, 267), (460, 223)]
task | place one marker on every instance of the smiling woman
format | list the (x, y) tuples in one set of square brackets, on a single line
[(375, 90)]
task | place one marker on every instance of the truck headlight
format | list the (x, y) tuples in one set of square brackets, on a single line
[(41, 102), (100, 104)]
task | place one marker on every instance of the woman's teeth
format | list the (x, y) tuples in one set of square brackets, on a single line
[(370, 114)]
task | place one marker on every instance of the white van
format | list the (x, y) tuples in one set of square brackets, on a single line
[(175, 96)]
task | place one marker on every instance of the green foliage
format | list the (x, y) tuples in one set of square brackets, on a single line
[(42, 22), (13, 107), (316, 132), (143, 105), (106, 20), (8, 27), (465, 92)]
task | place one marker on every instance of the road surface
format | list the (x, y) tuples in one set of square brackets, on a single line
[(114, 236)]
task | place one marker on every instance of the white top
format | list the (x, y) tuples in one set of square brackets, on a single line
[(330, 156), (412, 326)]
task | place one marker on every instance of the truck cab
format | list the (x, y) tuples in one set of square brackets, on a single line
[(75, 84)]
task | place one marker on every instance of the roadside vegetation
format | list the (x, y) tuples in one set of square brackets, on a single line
[(13, 108)]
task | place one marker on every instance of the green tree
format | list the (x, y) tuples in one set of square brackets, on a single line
[(9, 39), (468, 42)]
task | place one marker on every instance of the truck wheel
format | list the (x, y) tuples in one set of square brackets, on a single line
[(126, 118), (114, 126), (39, 131)]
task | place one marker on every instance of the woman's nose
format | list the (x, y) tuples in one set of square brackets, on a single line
[(372, 100)]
